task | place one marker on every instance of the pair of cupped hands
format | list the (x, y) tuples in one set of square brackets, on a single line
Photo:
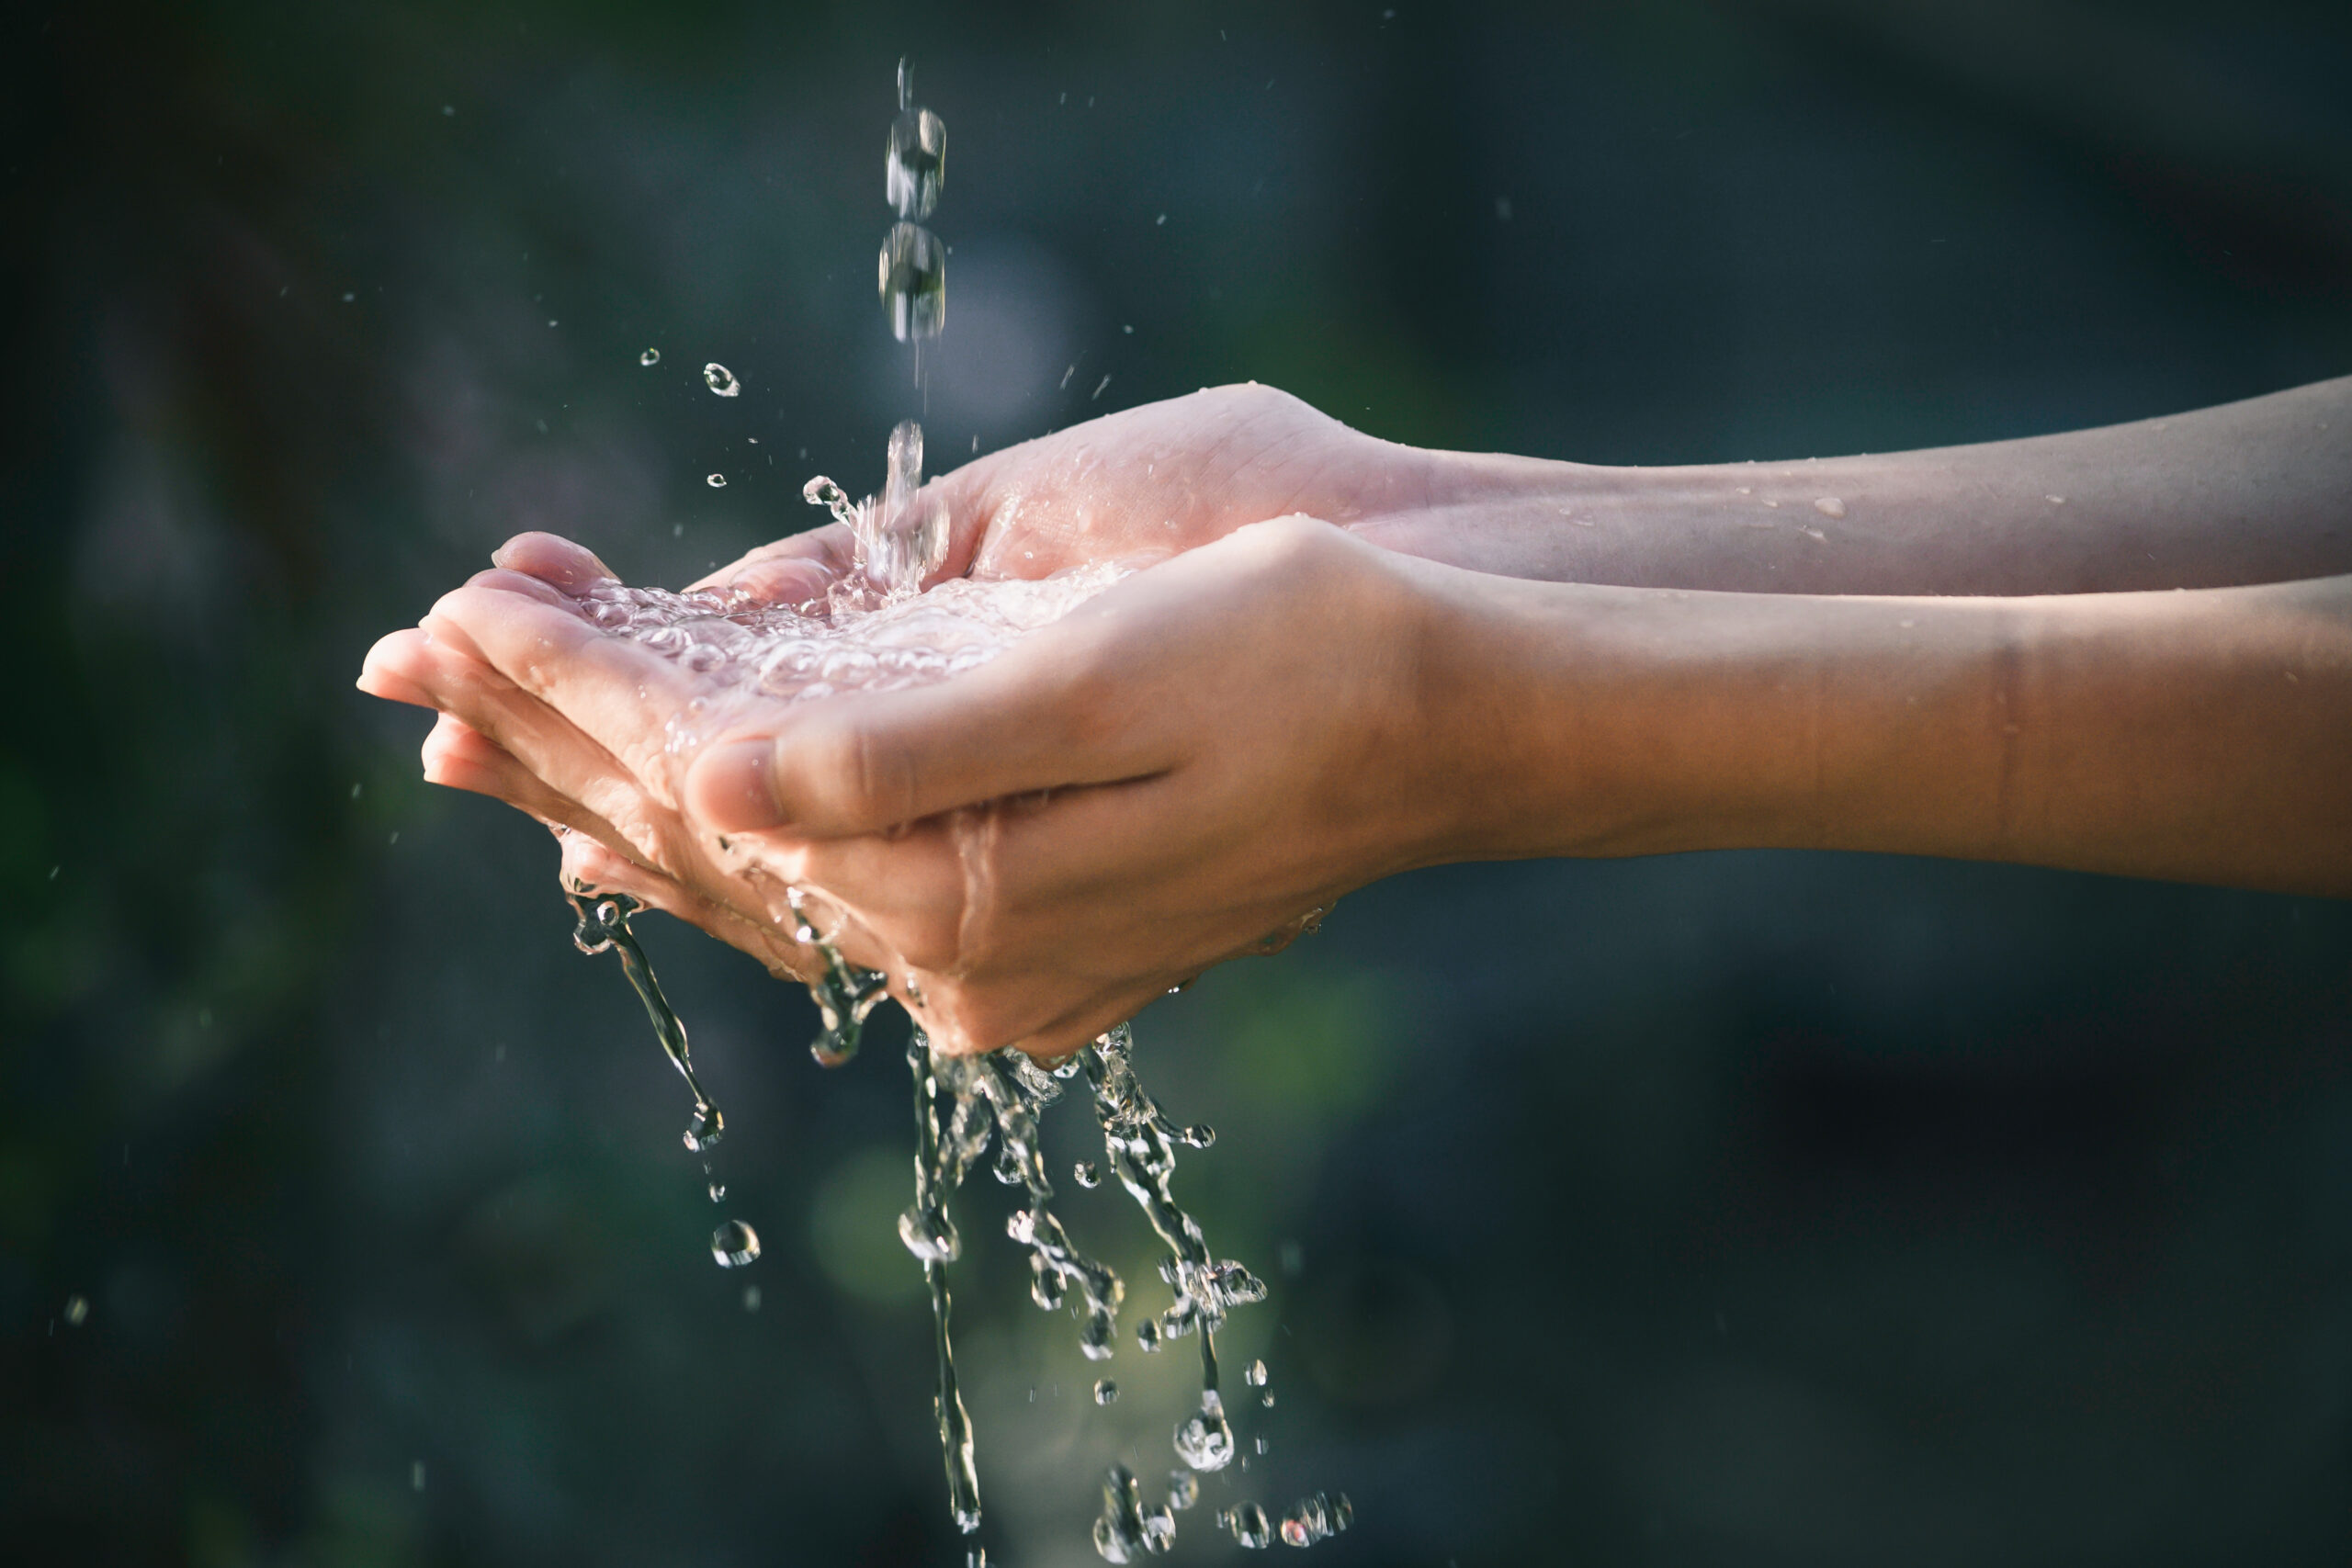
[(1187, 768)]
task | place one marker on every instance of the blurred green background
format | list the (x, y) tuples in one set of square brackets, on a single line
[(1742, 1210)]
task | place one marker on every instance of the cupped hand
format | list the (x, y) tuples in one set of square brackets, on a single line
[(1185, 769), (1139, 485)]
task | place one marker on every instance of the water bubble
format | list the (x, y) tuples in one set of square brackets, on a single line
[(77, 1310), (720, 380), (1255, 1376), (1105, 1391), (912, 278), (650, 356), (717, 482), (1086, 1175), (916, 165), (734, 1244)]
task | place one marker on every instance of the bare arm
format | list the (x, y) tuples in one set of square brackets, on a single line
[(2254, 491), (2201, 735)]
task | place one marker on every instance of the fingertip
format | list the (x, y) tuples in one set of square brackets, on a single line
[(552, 559), (379, 676)]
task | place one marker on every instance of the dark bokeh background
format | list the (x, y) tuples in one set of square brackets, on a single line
[(1744, 1210)]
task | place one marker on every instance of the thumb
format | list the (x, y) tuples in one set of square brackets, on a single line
[(1036, 718)]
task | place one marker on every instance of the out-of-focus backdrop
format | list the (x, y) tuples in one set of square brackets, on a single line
[(1741, 1210)]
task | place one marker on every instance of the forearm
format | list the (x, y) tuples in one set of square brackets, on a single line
[(2255, 492), (2201, 736)]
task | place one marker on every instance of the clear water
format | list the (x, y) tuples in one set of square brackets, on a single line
[(916, 165), (734, 1244), (912, 280)]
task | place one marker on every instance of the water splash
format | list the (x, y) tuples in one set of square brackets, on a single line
[(1128, 1528), (604, 924)]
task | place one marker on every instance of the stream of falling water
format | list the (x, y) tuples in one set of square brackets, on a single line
[(878, 630)]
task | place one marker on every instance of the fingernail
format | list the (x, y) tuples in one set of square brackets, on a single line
[(731, 787)]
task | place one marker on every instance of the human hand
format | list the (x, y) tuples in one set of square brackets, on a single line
[(1186, 769), (1139, 485), (1183, 770)]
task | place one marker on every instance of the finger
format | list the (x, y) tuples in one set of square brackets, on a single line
[(604, 796), (553, 559), (457, 756), (793, 572), (388, 672), (614, 692)]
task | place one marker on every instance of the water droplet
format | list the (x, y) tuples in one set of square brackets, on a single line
[(917, 163), (1085, 1174), (1148, 1335), (1206, 1439), (1502, 208), (650, 356), (417, 1476), (717, 482), (1099, 386), (720, 380), (750, 1298), (1266, 1399), (718, 1191), (1831, 506), (1256, 1374), (77, 1310), (1105, 1391), (1184, 1489), (913, 282), (1311, 1519), (1248, 1523), (734, 1244)]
